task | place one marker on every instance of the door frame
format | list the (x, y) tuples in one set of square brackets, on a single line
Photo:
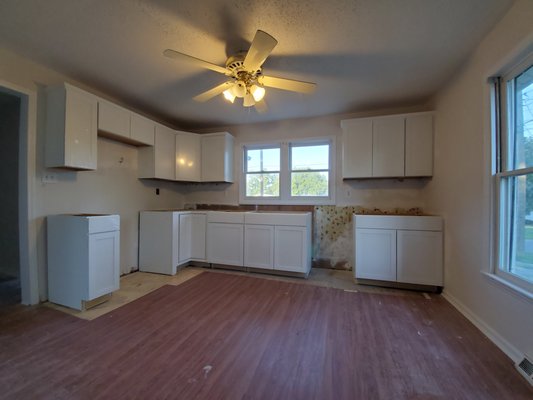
[(29, 280)]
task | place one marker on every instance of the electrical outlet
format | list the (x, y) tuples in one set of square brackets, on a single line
[(49, 178)]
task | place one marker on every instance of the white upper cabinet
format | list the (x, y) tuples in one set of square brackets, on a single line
[(159, 161), (188, 154), (217, 157), (113, 121), (419, 145), (142, 130), (357, 148), (71, 128), (388, 147), (123, 125)]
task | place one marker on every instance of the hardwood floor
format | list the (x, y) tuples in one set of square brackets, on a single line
[(222, 336)]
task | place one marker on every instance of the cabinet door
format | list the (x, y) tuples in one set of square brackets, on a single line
[(419, 145), (375, 254), (259, 246), (388, 147), (357, 148), (113, 119), (420, 257), (198, 232), (188, 152), (142, 130), (217, 158), (225, 243), (81, 119), (165, 153), (185, 238), (291, 249), (104, 263)]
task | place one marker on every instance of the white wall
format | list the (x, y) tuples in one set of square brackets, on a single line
[(9, 143), (112, 188), (386, 193), (460, 189)]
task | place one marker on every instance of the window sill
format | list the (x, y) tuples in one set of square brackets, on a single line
[(517, 290)]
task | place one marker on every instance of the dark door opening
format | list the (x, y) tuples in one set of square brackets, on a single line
[(10, 109)]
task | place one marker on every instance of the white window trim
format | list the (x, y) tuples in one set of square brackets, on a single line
[(284, 190), (497, 272)]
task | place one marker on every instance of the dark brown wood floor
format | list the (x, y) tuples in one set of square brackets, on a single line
[(220, 336)]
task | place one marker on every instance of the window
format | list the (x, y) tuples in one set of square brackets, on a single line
[(514, 176), (297, 171), (262, 167)]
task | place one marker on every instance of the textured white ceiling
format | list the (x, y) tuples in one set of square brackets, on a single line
[(362, 54)]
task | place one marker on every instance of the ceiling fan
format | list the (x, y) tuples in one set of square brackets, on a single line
[(245, 74)]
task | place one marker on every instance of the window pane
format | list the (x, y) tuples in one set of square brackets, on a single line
[(259, 160), (523, 119), (262, 185), (305, 158), (521, 229), (309, 183)]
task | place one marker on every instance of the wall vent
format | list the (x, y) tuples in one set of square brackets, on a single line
[(525, 367)]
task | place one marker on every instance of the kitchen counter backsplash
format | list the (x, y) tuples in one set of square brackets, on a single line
[(333, 244)]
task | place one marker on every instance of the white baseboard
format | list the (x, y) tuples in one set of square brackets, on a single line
[(494, 336)]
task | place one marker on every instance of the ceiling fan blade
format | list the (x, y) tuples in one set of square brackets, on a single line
[(261, 106), (209, 94), (201, 63), (287, 84), (261, 47)]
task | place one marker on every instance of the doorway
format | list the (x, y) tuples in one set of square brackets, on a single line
[(10, 119)]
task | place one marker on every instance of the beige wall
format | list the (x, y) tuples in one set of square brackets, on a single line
[(386, 193), (112, 188), (460, 190)]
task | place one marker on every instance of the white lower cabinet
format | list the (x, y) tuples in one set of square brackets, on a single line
[(292, 248), (406, 249), (225, 243), (83, 258), (192, 237), (375, 257), (259, 246), (419, 257), (159, 242)]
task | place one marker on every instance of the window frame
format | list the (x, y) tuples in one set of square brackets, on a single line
[(285, 173), (503, 172), (245, 172)]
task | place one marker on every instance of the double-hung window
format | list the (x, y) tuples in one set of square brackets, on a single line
[(290, 172), (513, 164)]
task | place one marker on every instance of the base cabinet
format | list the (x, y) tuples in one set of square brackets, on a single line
[(192, 237), (83, 258), (291, 249), (259, 246), (399, 249), (159, 242), (375, 257), (225, 243)]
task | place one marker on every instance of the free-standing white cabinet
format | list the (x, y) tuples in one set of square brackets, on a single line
[(159, 241), (159, 161), (71, 128), (217, 157), (188, 154), (375, 257), (192, 237), (259, 246), (83, 258), (406, 249)]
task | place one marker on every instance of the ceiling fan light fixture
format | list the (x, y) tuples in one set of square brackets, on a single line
[(239, 89), (229, 96), (258, 92), (248, 100)]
